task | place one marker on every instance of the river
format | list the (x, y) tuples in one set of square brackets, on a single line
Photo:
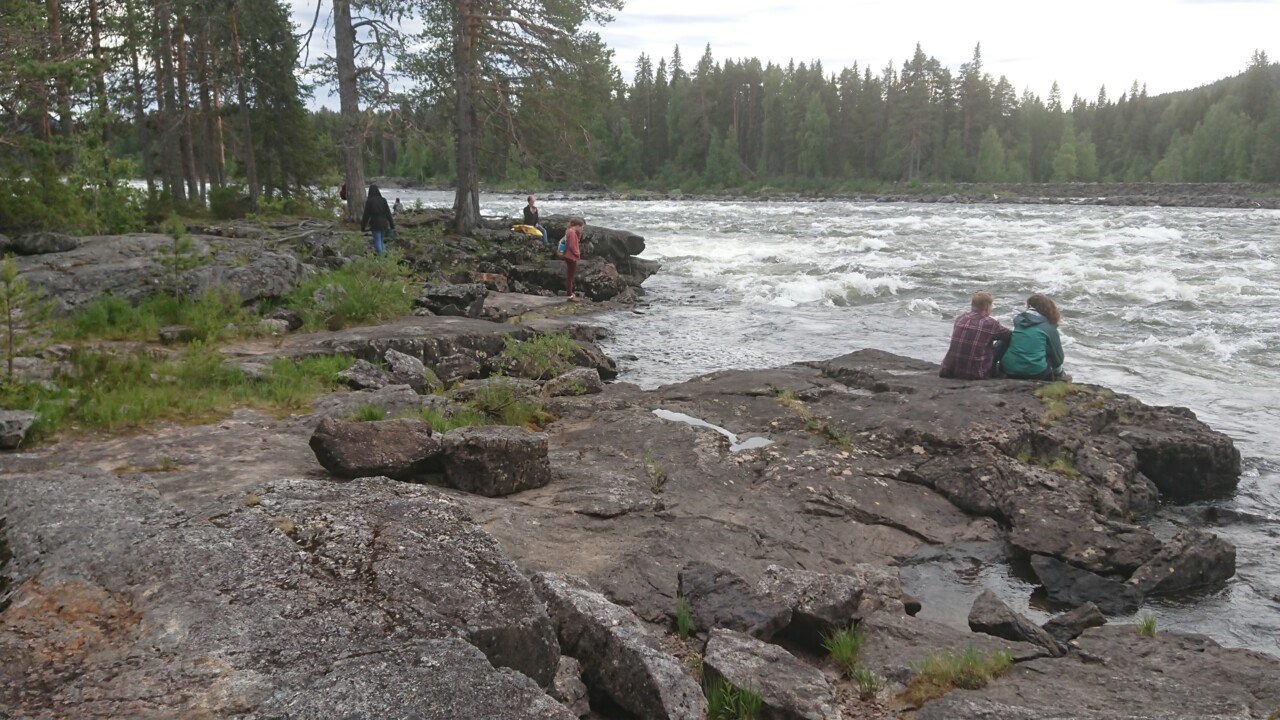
[(1176, 306)]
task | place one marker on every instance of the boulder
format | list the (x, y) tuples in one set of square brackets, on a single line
[(1192, 560), (991, 616), (1072, 586), (466, 299), (39, 243), (174, 334), (720, 599), (495, 460), (619, 658), (1185, 460), (579, 381), (458, 367), (316, 600), (788, 688), (1067, 626), (822, 602), (293, 321), (569, 689), (364, 375), (272, 326), (14, 425), (401, 449), (407, 370)]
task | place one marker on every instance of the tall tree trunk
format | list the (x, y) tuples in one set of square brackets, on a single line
[(242, 96), (140, 117), (212, 169), (466, 201), (166, 88), (352, 144), (100, 90), (64, 90), (184, 104)]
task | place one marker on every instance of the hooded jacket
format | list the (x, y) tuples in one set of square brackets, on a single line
[(1034, 347), (377, 215)]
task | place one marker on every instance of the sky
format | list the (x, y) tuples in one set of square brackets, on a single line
[(1167, 44)]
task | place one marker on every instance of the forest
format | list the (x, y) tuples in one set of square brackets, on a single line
[(114, 113)]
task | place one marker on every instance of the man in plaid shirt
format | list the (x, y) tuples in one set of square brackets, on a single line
[(972, 355)]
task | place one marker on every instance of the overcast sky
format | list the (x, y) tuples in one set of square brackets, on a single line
[(1167, 44)]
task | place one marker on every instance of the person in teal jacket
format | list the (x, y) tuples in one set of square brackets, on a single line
[(1035, 350)]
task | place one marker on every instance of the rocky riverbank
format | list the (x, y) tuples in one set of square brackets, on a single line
[(232, 569)]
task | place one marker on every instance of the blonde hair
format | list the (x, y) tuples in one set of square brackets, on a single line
[(981, 300)]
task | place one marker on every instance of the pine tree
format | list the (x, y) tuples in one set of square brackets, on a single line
[(23, 312), (991, 159)]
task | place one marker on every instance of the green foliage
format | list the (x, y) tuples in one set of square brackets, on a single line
[(114, 393), (684, 622), (541, 357), (367, 290), (844, 646), (442, 422), (367, 413), (506, 405), (1060, 391), (868, 682), (228, 202), (24, 314), (726, 702), (1060, 464), (940, 673), (178, 257), (1146, 626), (215, 316)]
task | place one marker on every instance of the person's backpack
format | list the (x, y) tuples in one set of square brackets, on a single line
[(564, 245)]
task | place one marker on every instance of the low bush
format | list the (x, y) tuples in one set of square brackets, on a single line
[(541, 357), (367, 290), (506, 405), (214, 317), (940, 673)]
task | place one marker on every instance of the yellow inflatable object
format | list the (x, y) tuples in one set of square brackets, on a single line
[(527, 230)]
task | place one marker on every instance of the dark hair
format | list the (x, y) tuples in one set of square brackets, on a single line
[(374, 192), (1044, 305)]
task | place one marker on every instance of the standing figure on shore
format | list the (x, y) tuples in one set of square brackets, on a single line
[(572, 253), (1035, 349), (531, 219), (977, 342), (377, 217), (398, 207)]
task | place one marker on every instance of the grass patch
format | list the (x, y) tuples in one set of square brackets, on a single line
[(653, 469), (813, 424), (684, 620), (868, 682), (506, 405), (940, 673), (1055, 395), (216, 316), (844, 646), (102, 392), (1060, 464), (367, 413), (443, 422), (726, 702), (1146, 626), (367, 290), (541, 357)]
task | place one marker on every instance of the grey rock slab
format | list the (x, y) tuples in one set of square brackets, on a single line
[(1115, 674), (1072, 586), (466, 299), (403, 449), (406, 370), (580, 381), (1067, 626), (619, 657), (718, 598), (364, 375), (1192, 560), (495, 460), (373, 598), (990, 615), (789, 689), (14, 425)]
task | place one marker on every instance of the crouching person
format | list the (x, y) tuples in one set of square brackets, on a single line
[(977, 342)]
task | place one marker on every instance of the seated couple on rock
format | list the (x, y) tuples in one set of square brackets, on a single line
[(983, 348)]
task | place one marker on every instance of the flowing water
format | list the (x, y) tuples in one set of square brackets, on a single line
[(1176, 306)]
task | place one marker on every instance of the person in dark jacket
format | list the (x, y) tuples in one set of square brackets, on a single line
[(377, 217), (974, 336), (531, 219), (1035, 349)]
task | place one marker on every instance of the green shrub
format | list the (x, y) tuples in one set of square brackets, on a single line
[(726, 702), (684, 621), (1146, 626), (844, 647), (215, 316), (940, 673), (367, 290), (229, 202), (541, 357)]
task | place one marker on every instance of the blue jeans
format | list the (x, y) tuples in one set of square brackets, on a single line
[(546, 239), (377, 242)]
